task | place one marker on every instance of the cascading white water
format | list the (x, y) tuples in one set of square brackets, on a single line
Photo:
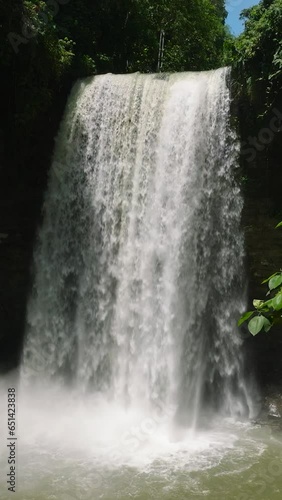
[(139, 261)]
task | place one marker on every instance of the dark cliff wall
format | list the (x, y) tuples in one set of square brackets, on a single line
[(23, 180), (261, 176), (33, 96)]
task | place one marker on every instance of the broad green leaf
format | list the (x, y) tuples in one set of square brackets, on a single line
[(244, 317), (263, 306), (278, 225), (256, 324), (266, 324), (267, 279), (277, 302), (258, 303), (268, 304), (275, 281)]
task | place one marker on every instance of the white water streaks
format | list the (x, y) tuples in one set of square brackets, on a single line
[(138, 275)]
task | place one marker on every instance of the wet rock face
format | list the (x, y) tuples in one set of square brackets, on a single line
[(23, 175), (262, 184), (263, 244), (17, 229), (264, 257), (271, 410)]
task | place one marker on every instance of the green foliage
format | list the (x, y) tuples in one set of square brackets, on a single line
[(229, 50), (46, 45), (245, 317), (267, 312), (48, 57), (124, 36), (259, 50), (257, 324)]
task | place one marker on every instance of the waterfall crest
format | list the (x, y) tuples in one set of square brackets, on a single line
[(139, 261)]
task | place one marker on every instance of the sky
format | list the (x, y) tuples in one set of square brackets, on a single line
[(234, 7)]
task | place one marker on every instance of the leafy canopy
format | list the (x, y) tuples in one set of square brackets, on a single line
[(259, 48)]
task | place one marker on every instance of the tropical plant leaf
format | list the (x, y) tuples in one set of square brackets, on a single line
[(277, 302), (275, 281), (245, 317), (256, 324), (258, 304), (268, 304), (267, 279), (267, 324)]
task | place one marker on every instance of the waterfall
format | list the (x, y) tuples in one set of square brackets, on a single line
[(138, 267)]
